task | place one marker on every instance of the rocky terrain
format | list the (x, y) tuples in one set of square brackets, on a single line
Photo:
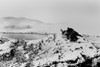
[(66, 49)]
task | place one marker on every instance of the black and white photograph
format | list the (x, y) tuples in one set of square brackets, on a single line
[(49, 33)]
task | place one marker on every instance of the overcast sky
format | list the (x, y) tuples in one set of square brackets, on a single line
[(82, 15)]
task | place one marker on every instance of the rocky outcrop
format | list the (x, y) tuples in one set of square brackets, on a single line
[(70, 34)]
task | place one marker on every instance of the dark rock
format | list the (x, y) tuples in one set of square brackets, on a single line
[(70, 34), (72, 61)]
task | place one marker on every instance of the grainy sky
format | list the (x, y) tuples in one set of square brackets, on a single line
[(82, 15)]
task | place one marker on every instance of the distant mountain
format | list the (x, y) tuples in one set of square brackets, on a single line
[(20, 19), (22, 24), (19, 24)]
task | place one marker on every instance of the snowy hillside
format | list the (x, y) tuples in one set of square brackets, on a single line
[(51, 51), (31, 43)]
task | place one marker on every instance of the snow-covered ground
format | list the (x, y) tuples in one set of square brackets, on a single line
[(49, 51), (37, 50)]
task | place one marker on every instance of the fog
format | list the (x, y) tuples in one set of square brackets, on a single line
[(81, 15)]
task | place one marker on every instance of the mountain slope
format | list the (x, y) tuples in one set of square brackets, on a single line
[(49, 51)]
